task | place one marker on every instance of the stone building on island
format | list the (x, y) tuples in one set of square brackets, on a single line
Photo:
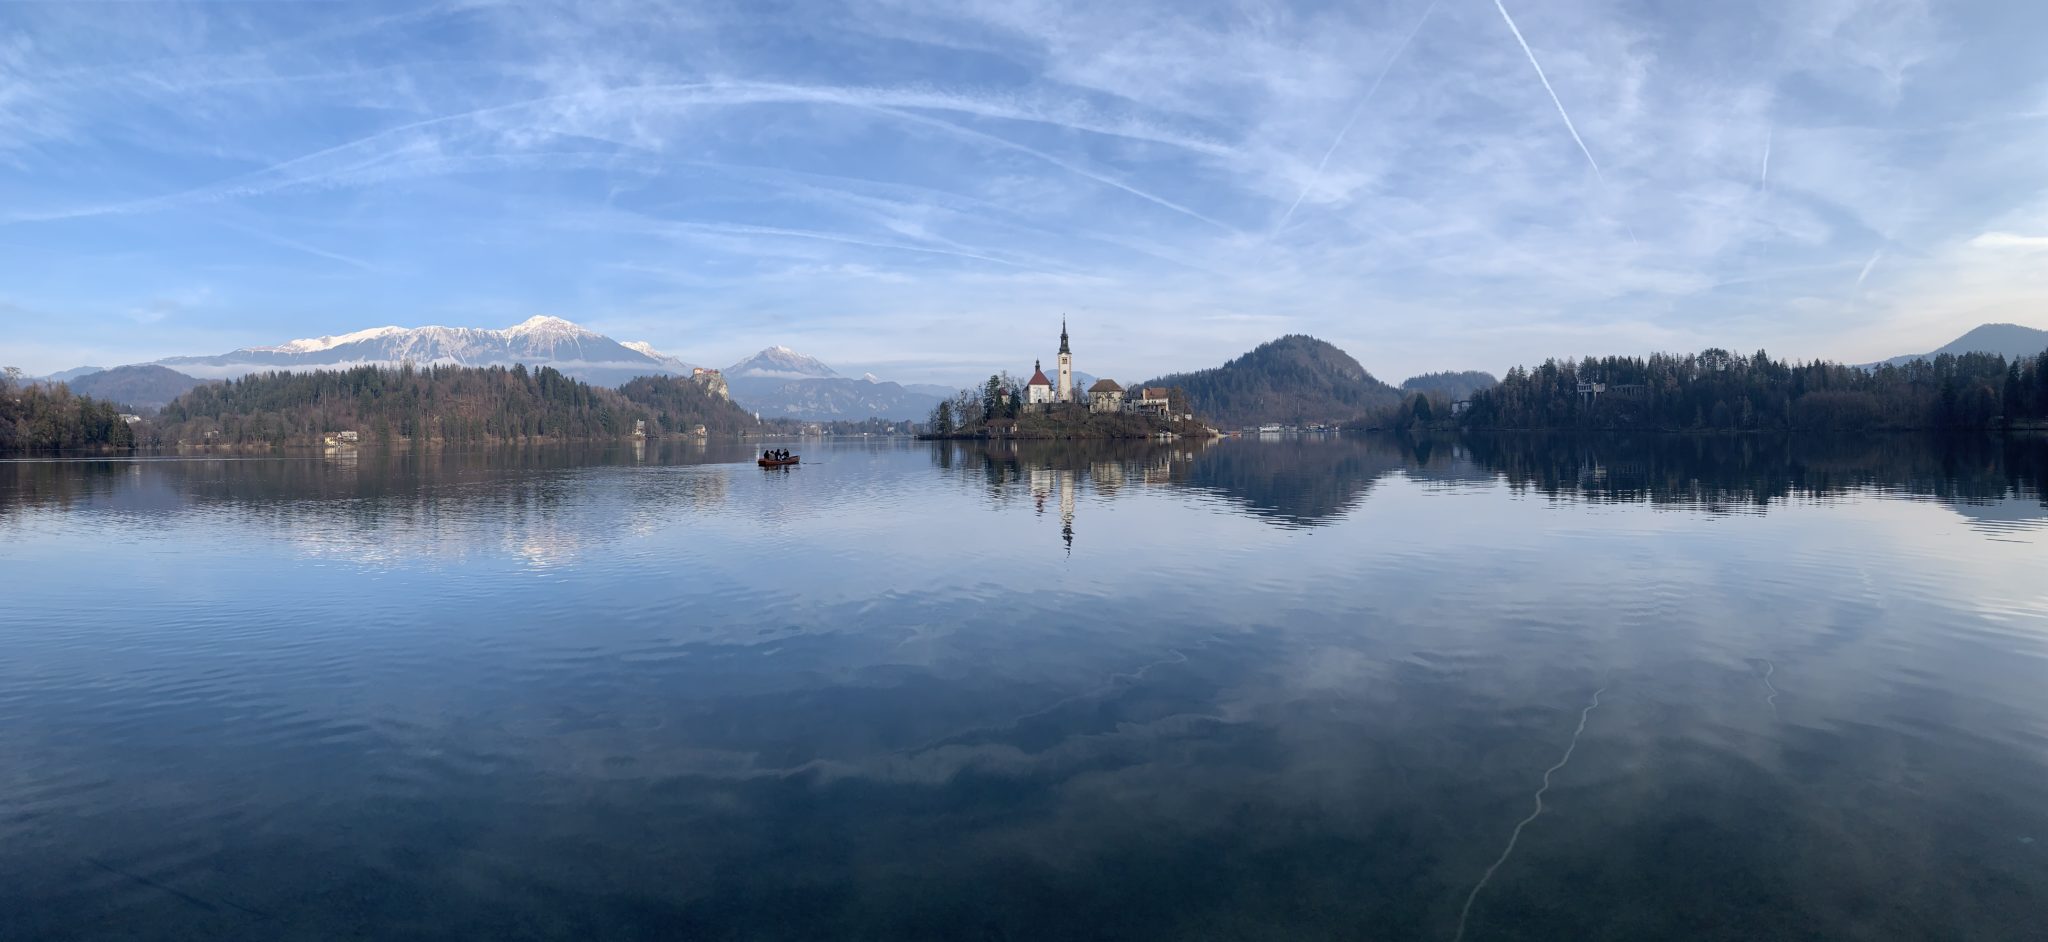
[(1105, 396)]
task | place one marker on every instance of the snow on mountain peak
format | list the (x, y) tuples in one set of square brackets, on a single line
[(642, 346), (545, 324), (317, 344), (781, 362)]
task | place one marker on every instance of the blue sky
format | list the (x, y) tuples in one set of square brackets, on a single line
[(922, 190)]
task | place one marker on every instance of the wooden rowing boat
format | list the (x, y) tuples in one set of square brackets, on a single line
[(778, 462)]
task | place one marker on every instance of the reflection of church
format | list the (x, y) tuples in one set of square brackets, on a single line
[(1043, 482)]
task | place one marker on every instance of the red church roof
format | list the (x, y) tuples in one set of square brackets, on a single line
[(1038, 378)]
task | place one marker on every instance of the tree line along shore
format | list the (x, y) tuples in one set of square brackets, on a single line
[(372, 405), (1294, 380)]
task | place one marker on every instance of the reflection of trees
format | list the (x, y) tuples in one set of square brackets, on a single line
[(378, 504), (1751, 469), (1305, 481)]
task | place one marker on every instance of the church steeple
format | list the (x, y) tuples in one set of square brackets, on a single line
[(1065, 392)]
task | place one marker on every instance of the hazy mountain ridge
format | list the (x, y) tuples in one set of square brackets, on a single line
[(1296, 379), (66, 376), (820, 399), (2007, 340)]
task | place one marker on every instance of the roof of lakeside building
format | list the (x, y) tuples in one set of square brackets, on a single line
[(1105, 385)]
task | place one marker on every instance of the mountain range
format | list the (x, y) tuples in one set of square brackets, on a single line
[(777, 382), (1295, 379), (539, 341)]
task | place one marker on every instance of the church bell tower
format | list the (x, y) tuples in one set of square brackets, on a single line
[(1066, 390)]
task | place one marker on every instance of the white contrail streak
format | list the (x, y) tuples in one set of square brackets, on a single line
[(1466, 913), (1546, 87), (1867, 266), (1763, 177), (1317, 176)]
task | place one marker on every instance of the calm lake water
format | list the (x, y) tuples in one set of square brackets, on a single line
[(1291, 689)]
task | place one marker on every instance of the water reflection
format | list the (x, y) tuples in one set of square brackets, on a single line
[(1288, 689), (1310, 481)]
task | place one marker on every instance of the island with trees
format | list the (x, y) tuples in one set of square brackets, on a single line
[(999, 409)]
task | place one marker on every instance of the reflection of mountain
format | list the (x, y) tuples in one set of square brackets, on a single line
[(1293, 482), (1297, 481)]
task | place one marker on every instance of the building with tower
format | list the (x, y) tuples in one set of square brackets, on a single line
[(1039, 391), (1065, 392)]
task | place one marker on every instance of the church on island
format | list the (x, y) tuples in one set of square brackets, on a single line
[(1105, 396)]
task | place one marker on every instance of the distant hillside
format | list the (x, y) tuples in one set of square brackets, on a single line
[(438, 404), (1294, 380), (1451, 385), (2010, 341), (142, 386), (676, 405)]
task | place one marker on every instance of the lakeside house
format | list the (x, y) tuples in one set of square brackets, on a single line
[(1148, 399)]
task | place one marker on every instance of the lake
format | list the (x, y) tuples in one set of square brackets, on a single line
[(1347, 688)]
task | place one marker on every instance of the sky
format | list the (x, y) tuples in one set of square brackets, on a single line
[(923, 190)]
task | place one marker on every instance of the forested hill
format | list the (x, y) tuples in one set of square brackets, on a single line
[(1294, 380), (48, 416), (142, 386), (1450, 385), (438, 404), (1719, 390)]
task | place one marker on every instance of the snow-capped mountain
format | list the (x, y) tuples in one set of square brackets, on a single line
[(646, 349), (780, 363), (538, 341)]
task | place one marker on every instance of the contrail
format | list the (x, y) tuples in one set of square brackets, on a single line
[(1763, 177), (1867, 266), (1466, 913), (1317, 176), (1546, 87)]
